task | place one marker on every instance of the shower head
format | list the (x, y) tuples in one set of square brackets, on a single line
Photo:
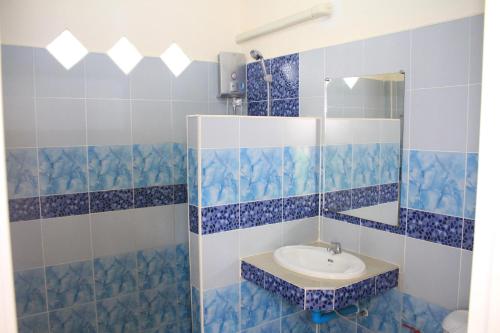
[(256, 55)]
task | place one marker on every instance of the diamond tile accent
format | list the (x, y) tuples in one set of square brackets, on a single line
[(175, 59), (67, 49), (125, 55)]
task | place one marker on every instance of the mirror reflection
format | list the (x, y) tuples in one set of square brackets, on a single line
[(363, 131)]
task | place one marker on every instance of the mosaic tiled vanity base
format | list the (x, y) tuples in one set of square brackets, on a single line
[(319, 294)]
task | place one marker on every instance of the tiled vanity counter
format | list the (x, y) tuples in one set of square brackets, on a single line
[(319, 294)]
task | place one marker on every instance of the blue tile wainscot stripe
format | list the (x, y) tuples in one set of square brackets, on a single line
[(24, 209), (395, 229), (193, 219), (319, 300), (106, 201), (365, 196), (220, 218), (351, 294), (154, 196), (65, 205), (442, 229), (258, 213), (388, 192), (468, 238), (295, 208)]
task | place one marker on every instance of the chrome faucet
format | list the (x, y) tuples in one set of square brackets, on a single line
[(334, 248)]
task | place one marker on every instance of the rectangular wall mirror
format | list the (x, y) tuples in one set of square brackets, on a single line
[(362, 147)]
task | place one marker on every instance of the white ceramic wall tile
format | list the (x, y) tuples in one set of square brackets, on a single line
[(192, 131), (311, 73), (465, 278), (476, 48), (221, 260), (19, 118), (181, 226), (53, 80), (113, 233), (192, 84), (365, 130), (338, 131), (108, 122), (61, 122), (260, 239), (220, 107), (311, 106), (301, 131), (390, 130), (17, 71), (337, 231), (219, 132), (261, 132), (473, 118), (179, 112), (66, 239), (432, 272), (150, 79), (439, 119), (440, 54), (26, 241), (382, 245), (104, 78), (151, 121), (303, 231), (345, 60), (407, 118), (213, 82), (154, 226), (194, 259)]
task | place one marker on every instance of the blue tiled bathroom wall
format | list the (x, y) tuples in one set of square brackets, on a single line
[(442, 65), (259, 182), (97, 180)]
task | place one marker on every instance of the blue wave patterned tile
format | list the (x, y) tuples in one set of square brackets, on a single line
[(256, 86), (220, 218), (471, 186), (110, 167), (105, 201), (183, 301), (297, 323), (115, 275), (79, 318), (69, 284), (386, 281), (260, 173), (34, 324), (62, 170), (342, 217), (257, 108), (388, 192), (338, 325), (296, 208), (119, 314), (424, 316), (182, 262), (404, 180), (221, 309), (257, 305), (219, 177), (364, 196), (442, 229), (436, 182), (468, 237), (153, 196), (384, 312), (301, 171), (64, 205), (22, 173), (185, 326), (285, 107), (24, 209), (193, 176), (270, 327), (168, 328), (319, 300), (152, 164), (337, 201), (338, 167), (196, 310), (157, 307), (179, 163), (351, 294), (260, 213), (365, 165), (287, 308), (285, 71), (193, 219), (156, 267), (30, 292), (389, 162), (180, 193), (253, 274)]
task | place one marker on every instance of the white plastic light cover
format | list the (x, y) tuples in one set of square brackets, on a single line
[(175, 59), (351, 81), (67, 49), (125, 55)]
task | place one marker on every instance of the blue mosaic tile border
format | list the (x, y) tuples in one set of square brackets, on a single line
[(388, 192), (24, 209), (285, 107), (395, 229), (386, 281), (295, 208), (337, 201), (258, 109), (468, 235), (220, 218), (65, 205), (154, 196), (351, 294), (319, 300), (365, 196), (106, 201), (253, 214), (193, 219), (342, 217), (180, 193), (441, 229)]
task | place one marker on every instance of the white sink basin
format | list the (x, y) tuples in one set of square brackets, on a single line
[(317, 262)]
